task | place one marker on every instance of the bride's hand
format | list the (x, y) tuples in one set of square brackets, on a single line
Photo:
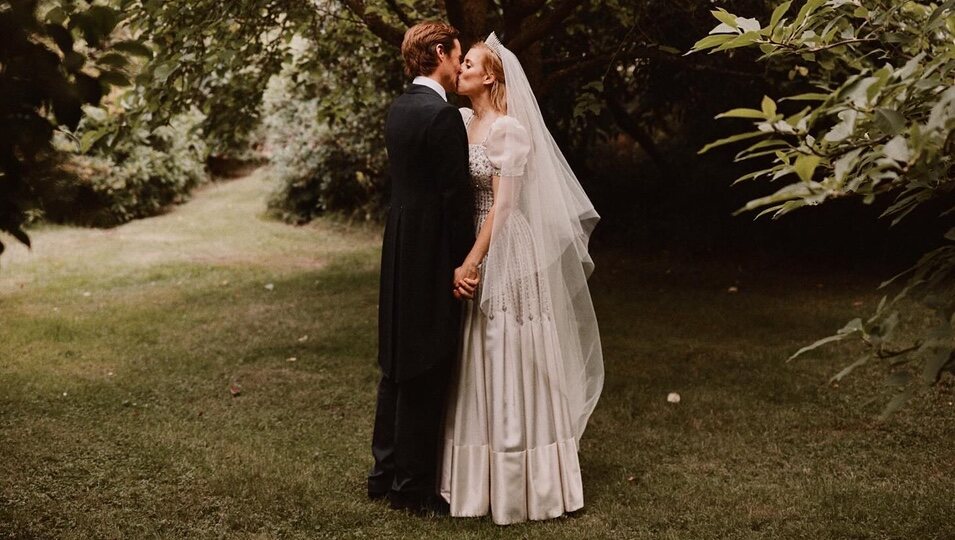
[(466, 279)]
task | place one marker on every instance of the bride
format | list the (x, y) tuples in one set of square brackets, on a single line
[(531, 368)]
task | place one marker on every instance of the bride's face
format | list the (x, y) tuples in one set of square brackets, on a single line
[(472, 77)]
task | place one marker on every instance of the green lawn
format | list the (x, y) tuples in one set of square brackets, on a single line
[(118, 349)]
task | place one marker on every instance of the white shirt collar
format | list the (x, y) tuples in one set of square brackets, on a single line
[(432, 84)]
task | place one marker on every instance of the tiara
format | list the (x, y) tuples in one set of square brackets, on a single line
[(494, 44)]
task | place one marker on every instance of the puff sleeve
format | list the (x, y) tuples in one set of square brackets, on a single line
[(508, 145)]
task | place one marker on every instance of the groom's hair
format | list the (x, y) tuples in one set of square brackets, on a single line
[(419, 46)]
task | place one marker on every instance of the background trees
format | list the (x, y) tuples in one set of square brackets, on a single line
[(305, 83)]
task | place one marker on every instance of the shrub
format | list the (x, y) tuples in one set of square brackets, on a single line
[(143, 173), (322, 166)]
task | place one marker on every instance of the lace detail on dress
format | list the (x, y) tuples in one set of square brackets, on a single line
[(527, 297)]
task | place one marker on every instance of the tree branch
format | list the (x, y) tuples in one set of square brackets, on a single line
[(455, 12), (576, 66), (386, 32), (525, 8), (542, 25), (402, 16), (632, 127)]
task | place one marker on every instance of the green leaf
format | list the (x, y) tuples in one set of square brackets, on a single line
[(848, 369), (807, 9), (710, 41), (845, 164), (936, 15), (754, 174), (938, 358), (90, 138), (73, 61), (742, 41), (817, 344), (61, 36), (742, 113), (773, 144), (729, 140), (807, 97), (114, 78), (889, 121), (778, 14), (134, 47), (162, 72), (769, 107), (896, 403), (806, 165), (726, 18), (55, 16), (114, 60)]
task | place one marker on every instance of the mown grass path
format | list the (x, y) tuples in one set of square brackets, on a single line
[(118, 350)]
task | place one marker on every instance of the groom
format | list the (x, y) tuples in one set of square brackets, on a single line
[(428, 233)]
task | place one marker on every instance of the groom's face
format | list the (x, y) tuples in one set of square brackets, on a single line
[(449, 66)]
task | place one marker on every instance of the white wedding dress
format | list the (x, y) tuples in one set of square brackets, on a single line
[(510, 447)]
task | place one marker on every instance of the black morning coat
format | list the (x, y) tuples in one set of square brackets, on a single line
[(429, 231)]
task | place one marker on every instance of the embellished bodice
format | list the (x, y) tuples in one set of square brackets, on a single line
[(522, 291), (481, 171)]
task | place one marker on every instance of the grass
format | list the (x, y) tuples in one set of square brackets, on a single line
[(118, 349)]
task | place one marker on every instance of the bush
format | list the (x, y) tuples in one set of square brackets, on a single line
[(317, 167), (143, 173)]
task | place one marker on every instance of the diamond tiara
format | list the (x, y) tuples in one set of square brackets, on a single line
[(494, 44)]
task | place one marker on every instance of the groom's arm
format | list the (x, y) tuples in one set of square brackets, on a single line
[(448, 141)]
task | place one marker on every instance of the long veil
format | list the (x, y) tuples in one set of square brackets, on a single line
[(546, 202)]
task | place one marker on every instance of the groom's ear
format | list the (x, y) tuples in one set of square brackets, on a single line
[(439, 50)]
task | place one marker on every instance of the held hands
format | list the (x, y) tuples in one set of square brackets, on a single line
[(466, 279)]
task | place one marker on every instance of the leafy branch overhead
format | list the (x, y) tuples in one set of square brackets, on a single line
[(878, 123), (54, 63)]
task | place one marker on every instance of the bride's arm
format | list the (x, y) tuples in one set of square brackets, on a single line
[(482, 243)]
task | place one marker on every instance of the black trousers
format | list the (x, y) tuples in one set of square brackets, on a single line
[(406, 439)]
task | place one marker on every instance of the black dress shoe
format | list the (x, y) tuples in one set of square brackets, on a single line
[(398, 500), (418, 504), (377, 495), (439, 506)]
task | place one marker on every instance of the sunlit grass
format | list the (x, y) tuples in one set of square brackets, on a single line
[(118, 350)]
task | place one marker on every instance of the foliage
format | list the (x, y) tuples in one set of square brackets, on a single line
[(140, 174), (314, 171), (49, 67), (324, 127), (878, 124)]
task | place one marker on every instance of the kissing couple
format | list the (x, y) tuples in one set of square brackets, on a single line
[(488, 345)]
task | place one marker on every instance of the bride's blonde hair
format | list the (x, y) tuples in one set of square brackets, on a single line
[(494, 66)]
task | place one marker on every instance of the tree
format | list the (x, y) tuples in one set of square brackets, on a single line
[(878, 124), (50, 66)]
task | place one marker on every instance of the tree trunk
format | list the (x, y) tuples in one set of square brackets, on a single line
[(470, 18)]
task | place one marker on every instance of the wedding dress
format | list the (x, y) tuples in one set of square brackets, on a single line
[(530, 368), (509, 445)]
